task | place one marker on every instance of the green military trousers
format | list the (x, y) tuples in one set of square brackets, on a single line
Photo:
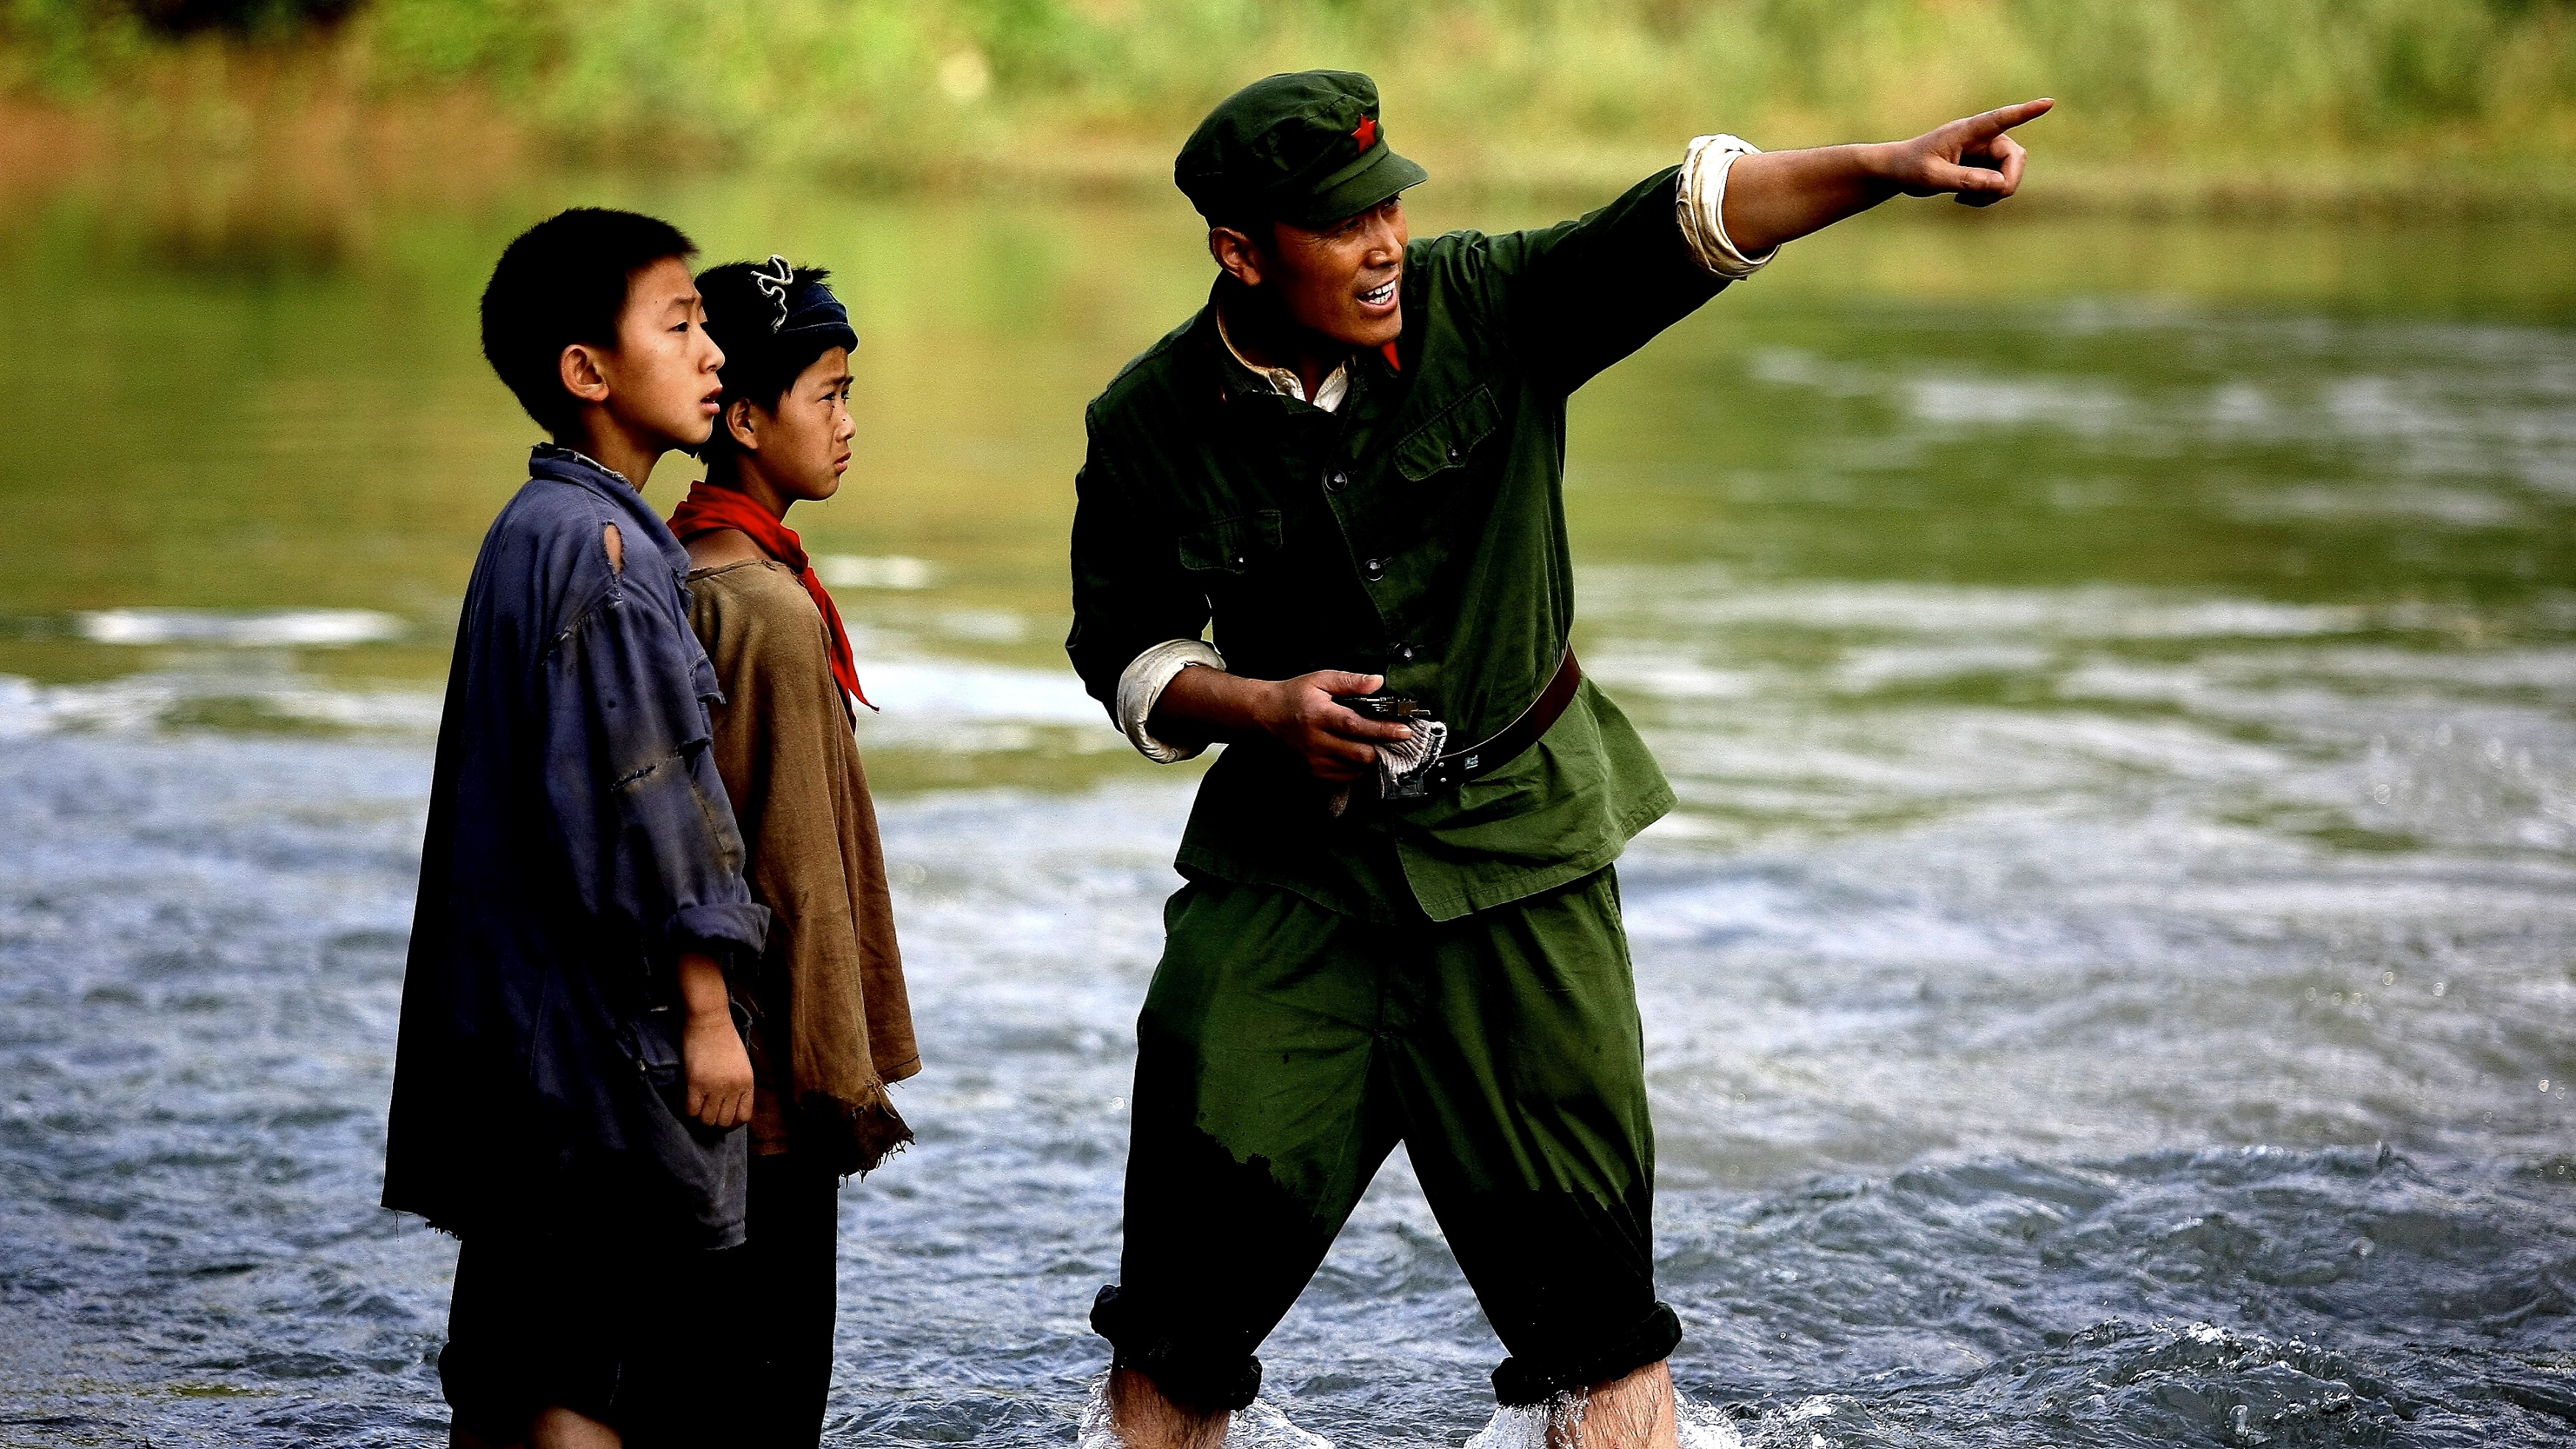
[(1285, 1049)]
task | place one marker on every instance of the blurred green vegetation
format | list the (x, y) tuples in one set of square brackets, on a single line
[(2252, 97)]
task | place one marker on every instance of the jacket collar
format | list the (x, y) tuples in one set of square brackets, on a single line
[(557, 463), (1329, 392), (1236, 379), (1233, 380), (571, 465)]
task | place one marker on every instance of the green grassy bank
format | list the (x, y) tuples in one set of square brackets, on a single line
[(2167, 102)]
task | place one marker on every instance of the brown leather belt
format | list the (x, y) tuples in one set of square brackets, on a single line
[(1506, 744)]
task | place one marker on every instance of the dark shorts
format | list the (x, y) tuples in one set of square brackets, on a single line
[(1285, 1050), (536, 1323), (620, 1334), (668, 1346)]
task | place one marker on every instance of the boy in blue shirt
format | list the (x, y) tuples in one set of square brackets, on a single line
[(571, 1081)]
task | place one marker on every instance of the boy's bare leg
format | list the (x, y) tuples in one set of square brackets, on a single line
[(552, 1428), (1635, 1412), (556, 1427), (1143, 1419)]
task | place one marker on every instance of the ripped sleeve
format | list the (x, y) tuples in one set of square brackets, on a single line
[(633, 788)]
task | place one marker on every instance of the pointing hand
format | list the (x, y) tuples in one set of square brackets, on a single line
[(1972, 159)]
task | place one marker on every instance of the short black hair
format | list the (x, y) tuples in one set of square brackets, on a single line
[(564, 281), (759, 364)]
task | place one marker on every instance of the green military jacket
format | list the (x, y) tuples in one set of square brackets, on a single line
[(1418, 531)]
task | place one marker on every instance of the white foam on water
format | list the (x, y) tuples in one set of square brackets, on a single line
[(947, 705), (2467, 402), (970, 690), (1704, 1427), (1864, 670), (1258, 1425), (984, 626), (891, 571), (239, 628), (2458, 507), (1517, 1427), (1693, 598), (1264, 1425), (1666, 672), (138, 703), (1558, 1424), (2078, 407)]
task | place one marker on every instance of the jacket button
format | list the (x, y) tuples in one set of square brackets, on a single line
[(1336, 482), (1456, 452), (1373, 570), (1404, 652)]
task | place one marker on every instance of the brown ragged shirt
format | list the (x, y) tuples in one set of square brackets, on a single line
[(835, 1024)]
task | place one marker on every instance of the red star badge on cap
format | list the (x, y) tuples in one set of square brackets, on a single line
[(1366, 135)]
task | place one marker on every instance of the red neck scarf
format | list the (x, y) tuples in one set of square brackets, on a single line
[(710, 508)]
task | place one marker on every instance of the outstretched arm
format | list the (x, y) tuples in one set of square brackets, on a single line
[(1780, 196)]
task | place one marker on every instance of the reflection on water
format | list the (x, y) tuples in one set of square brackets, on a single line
[(2108, 982)]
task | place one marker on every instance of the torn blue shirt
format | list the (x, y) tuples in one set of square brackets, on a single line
[(579, 841)]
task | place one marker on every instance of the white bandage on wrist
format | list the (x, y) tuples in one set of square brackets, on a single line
[(1702, 203), (1140, 688)]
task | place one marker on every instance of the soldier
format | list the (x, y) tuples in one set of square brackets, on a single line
[(1400, 921)]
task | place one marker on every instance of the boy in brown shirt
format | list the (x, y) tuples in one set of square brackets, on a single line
[(832, 1024)]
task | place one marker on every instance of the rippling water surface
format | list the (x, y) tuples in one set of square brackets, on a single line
[(2112, 979)]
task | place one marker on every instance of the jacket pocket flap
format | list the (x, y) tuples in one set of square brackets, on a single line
[(1448, 439), (1232, 544)]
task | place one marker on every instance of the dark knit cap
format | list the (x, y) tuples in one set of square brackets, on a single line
[(773, 307), (1304, 148), (772, 320)]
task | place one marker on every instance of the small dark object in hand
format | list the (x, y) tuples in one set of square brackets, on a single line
[(1383, 706)]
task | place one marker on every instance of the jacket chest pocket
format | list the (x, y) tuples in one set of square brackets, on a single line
[(1450, 438), (1235, 545)]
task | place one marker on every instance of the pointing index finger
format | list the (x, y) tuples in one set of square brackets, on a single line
[(1994, 123)]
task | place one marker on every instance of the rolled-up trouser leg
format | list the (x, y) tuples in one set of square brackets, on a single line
[(1255, 1132), (1282, 1052), (1520, 1065)]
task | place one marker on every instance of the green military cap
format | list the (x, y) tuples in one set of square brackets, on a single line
[(1305, 149)]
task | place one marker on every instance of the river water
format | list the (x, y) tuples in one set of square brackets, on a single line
[(2112, 978)]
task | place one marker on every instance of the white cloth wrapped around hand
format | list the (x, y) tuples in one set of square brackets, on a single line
[(1395, 760)]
